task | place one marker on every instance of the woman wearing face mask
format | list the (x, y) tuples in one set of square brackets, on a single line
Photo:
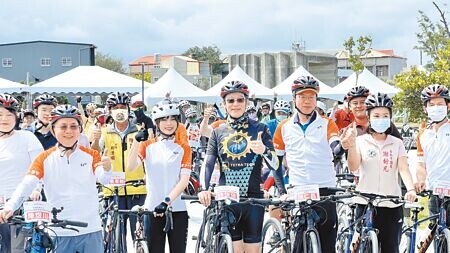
[(380, 158), (251, 111), (192, 128), (282, 111)]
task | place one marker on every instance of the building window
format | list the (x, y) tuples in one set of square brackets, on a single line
[(45, 62), (382, 70), (66, 61), (7, 62), (370, 68), (155, 79)]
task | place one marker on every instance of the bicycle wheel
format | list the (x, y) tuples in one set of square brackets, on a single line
[(119, 246), (205, 236), (225, 244), (343, 239), (311, 243), (370, 243), (274, 238), (141, 247), (444, 241)]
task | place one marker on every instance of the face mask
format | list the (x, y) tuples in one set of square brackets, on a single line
[(192, 120), (281, 117), (380, 125), (119, 115), (437, 113), (253, 116)]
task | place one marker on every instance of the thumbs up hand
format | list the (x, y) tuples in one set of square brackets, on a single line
[(257, 146), (348, 136)]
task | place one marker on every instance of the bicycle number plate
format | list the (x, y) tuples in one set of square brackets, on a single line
[(117, 179), (442, 189), (37, 211), (226, 192), (303, 193), (2, 200)]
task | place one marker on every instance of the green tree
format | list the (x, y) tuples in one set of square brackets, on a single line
[(147, 76), (109, 62), (356, 50), (432, 37), (210, 54), (434, 40)]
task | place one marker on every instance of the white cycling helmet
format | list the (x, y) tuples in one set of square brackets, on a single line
[(282, 105), (191, 112), (164, 109), (250, 108), (322, 106)]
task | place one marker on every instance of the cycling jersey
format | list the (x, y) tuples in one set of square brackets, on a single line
[(117, 149), (433, 149), (47, 140), (164, 161), (307, 149), (239, 165), (272, 126), (70, 182), (17, 151)]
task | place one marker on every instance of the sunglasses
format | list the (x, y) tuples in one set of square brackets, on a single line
[(232, 100)]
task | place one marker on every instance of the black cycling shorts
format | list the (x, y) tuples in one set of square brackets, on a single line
[(249, 219)]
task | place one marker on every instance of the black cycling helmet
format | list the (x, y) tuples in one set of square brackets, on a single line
[(378, 100), (44, 99), (8, 102), (356, 92), (234, 86), (304, 83), (65, 111), (117, 98), (435, 91)]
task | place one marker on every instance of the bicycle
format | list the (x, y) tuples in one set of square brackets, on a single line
[(112, 222), (304, 217), (367, 239), (140, 241), (439, 233), (41, 241), (214, 234), (194, 180)]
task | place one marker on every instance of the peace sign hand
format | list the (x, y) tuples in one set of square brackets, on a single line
[(257, 146)]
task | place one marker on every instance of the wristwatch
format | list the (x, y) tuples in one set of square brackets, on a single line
[(167, 199)]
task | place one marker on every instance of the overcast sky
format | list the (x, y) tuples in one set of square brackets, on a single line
[(130, 29)]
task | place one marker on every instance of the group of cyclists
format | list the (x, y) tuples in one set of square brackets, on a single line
[(67, 150)]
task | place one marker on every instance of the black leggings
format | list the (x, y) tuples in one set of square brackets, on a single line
[(156, 238), (389, 223)]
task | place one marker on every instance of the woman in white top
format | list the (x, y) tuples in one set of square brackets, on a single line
[(18, 148), (380, 157), (167, 163)]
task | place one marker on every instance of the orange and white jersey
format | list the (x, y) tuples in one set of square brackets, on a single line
[(433, 149), (164, 160), (69, 182), (308, 152)]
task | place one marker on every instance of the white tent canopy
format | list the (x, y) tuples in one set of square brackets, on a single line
[(283, 90), (89, 79), (237, 74), (7, 86), (369, 80), (178, 87)]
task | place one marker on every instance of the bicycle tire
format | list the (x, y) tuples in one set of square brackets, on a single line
[(205, 235), (405, 242), (311, 243), (370, 244), (118, 243), (444, 241), (277, 234), (343, 239), (141, 247), (225, 244)]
